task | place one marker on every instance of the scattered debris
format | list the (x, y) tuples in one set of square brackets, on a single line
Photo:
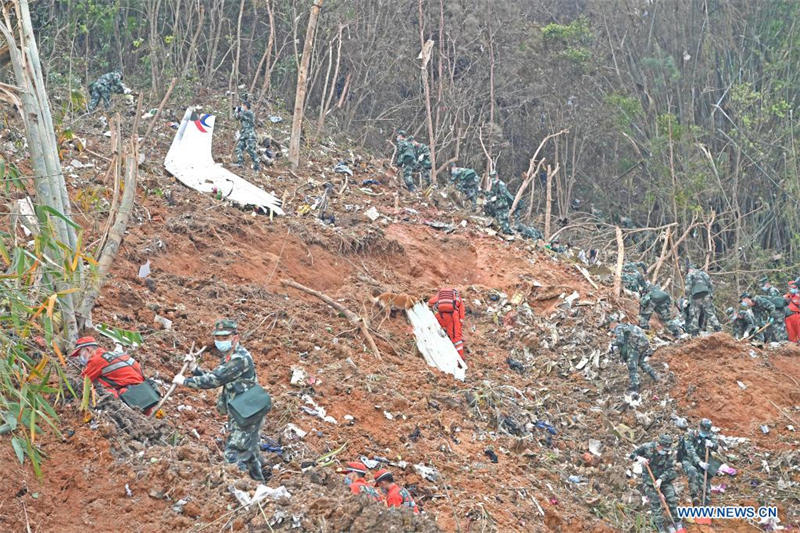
[(262, 492)]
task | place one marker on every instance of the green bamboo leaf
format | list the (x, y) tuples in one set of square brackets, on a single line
[(42, 209), (18, 449)]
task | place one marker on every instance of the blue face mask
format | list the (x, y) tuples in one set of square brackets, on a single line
[(223, 346)]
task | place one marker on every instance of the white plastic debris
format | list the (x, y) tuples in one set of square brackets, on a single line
[(144, 270), (166, 323), (128, 492), (741, 385), (388, 415), (595, 447), (299, 376), (316, 410), (293, 431), (428, 472), (372, 214), (262, 492)]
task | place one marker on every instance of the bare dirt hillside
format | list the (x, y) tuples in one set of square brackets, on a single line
[(506, 450)]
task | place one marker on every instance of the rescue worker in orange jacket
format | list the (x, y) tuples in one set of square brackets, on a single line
[(450, 313), (115, 371), (793, 320), (355, 478), (394, 495)]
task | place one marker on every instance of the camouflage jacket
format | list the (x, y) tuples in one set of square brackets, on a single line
[(248, 121), (743, 318), (695, 276), (630, 337), (405, 153), (763, 306), (657, 296), (235, 374), (499, 196), (694, 446), (422, 153), (465, 178), (110, 82), (662, 466)]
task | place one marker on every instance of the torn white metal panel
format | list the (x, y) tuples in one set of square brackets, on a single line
[(433, 342), (189, 159)]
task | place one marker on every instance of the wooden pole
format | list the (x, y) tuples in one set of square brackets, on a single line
[(620, 259), (548, 207), (663, 256), (173, 386), (302, 86)]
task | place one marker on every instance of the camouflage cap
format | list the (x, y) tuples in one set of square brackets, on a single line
[(225, 326), (665, 440), (401, 132), (705, 427), (763, 279), (410, 137)]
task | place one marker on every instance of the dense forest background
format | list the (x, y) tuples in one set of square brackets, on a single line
[(677, 111)]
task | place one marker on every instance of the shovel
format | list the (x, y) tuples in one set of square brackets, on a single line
[(704, 521), (174, 385), (664, 501), (756, 332)]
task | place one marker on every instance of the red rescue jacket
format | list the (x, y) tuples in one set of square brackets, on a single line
[(450, 312), (115, 371), (360, 486), (794, 302), (397, 496)]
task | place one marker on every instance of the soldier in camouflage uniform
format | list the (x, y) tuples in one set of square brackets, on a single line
[(763, 309), (658, 457), (742, 321), (779, 314), (498, 203), (634, 348), (466, 181), (247, 135), (695, 461), (236, 374), (406, 158), (423, 157), (699, 292), (632, 277), (654, 299), (104, 86)]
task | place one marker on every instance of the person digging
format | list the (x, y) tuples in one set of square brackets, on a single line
[(242, 398), (355, 477), (658, 473)]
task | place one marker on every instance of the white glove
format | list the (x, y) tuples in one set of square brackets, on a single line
[(710, 443), (179, 379), (703, 465), (189, 358), (643, 460), (126, 90), (658, 483)]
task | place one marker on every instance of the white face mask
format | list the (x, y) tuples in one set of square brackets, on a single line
[(223, 346)]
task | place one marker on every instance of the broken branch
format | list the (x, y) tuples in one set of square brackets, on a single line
[(354, 319)]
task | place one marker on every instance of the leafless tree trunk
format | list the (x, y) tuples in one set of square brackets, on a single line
[(129, 156), (425, 56), (620, 260), (300, 93), (51, 189), (327, 92)]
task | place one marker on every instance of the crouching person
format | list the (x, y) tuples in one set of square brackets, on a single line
[(242, 398), (394, 494), (116, 373)]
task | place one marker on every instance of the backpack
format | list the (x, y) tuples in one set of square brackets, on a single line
[(778, 301), (448, 301), (658, 296)]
